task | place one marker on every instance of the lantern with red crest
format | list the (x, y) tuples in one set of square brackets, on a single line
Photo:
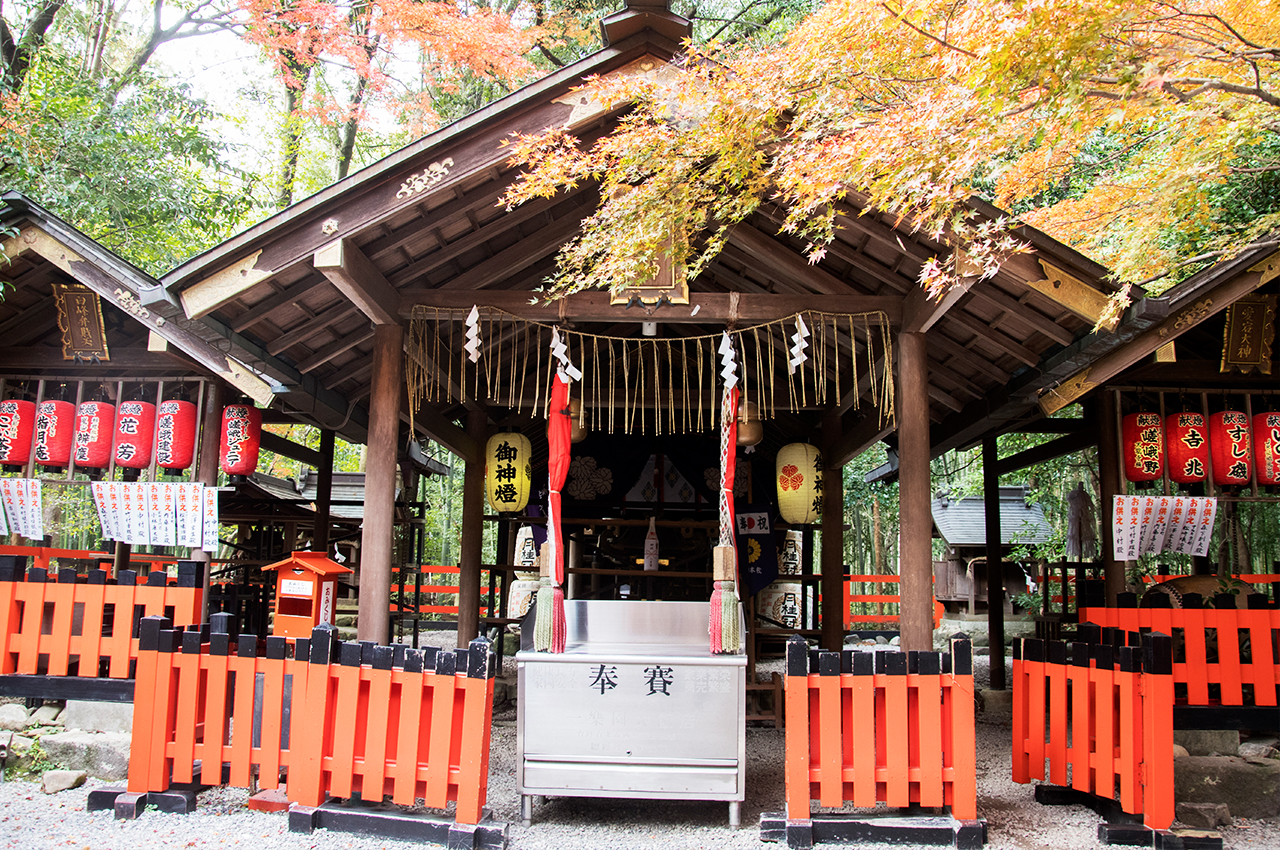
[(55, 430), (95, 431), (1229, 444), (1266, 447), (135, 434), (17, 427), (1143, 440), (241, 439), (1186, 446), (175, 434)]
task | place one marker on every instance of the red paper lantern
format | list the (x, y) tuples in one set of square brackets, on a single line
[(135, 434), (1230, 444), (1143, 440), (241, 438), (1266, 447), (55, 429), (95, 430), (176, 434), (17, 427), (1186, 445)]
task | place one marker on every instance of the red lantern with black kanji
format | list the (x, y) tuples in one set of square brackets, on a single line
[(135, 434), (17, 428), (1142, 439), (95, 431), (1231, 447), (241, 439), (1266, 447), (55, 429), (175, 434), (1186, 447)]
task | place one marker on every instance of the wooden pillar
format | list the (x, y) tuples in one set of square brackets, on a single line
[(207, 471), (374, 621), (995, 564), (469, 559), (915, 531), (1105, 423), (324, 492), (832, 536)]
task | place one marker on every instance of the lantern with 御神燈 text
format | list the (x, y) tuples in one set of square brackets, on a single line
[(95, 433), (135, 434), (1230, 447), (507, 471), (799, 480), (1266, 447), (1186, 447), (1142, 442), (17, 427), (175, 434), (55, 430), (241, 439)]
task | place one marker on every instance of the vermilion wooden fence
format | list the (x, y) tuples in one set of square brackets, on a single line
[(82, 625), (362, 719), (1104, 715), (1223, 655), (889, 727), (887, 596)]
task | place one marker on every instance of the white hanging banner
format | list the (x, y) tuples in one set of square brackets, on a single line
[(1147, 524), (4, 525), (128, 515), (1190, 521), (209, 512), (1118, 512), (1204, 531), (35, 504), (100, 503), (9, 495), (160, 514), (1160, 524), (1177, 516), (1133, 531), (188, 510)]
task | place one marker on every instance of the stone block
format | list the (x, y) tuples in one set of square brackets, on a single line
[(104, 755), (1208, 742), (54, 781), (47, 715), (1204, 815), (98, 716), (996, 703), (1180, 751), (1258, 750), (14, 718), (1250, 789)]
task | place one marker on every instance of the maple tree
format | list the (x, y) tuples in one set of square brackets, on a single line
[(1144, 133)]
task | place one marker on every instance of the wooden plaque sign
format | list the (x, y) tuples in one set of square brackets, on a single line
[(1250, 328), (80, 320)]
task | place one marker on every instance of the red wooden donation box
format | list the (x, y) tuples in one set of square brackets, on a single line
[(306, 593)]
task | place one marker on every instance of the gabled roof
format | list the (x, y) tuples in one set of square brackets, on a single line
[(962, 522), (316, 562)]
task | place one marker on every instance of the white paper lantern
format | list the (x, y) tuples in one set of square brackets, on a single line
[(799, 480)]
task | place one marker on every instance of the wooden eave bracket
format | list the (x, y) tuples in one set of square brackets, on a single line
[(1073, 294), (356, 277), (1269, 268), (222, 286)]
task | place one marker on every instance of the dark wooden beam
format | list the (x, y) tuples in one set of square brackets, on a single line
[(920, 311), (351, 272), (510, 261), (307, 327), (703, 307), (282, 446), (995, 569), (779, 258), (48, 357), (1074, 442), (435, 425), (262, 311)]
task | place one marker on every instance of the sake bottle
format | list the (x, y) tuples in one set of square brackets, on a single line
[(651, 547)]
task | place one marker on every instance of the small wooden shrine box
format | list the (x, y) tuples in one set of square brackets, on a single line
[(306, 593)]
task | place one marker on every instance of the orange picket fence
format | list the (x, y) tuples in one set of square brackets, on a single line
[(85, 626), (449, 588), (1102, 713), (1222, 655), (361, 719), (891, 727), (855, 594)]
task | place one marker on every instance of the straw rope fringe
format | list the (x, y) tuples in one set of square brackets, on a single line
[(843, 348)]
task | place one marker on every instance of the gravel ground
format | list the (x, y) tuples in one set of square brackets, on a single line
[(30, 819)]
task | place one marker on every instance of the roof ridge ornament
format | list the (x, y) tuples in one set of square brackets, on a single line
[(638, 15)]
